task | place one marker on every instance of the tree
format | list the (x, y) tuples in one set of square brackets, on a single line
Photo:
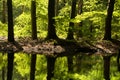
[(70, 34), (71, 24), (107, 35), (34, 37), (33, 19), (56, 7), (3, 21), (51, 21), (10, 39), (10, 21), (4, 12), (80, 7)]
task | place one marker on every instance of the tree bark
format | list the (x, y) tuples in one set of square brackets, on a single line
[(51, 21), (56, 7), (107, 35), (106, 67), (80, 6), (10, 39), (33, 19), (71, 24), (4, 12)]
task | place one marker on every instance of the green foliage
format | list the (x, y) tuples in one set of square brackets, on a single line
[(62, 21), (25, 3), (91, 5), (116, 22), (3, 29), (42, 18), (94, 14), (23, 25)]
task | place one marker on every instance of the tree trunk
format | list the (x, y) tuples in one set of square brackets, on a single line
[(56, 7), (10, 65), (70, 35), (10, 21), (51, 21), (33, 19), (110, 10), (10, 39), (3, 21), (106, 67), (80, 6), (71, 24), (91, 30), (4, 12), (34, 37), (50, 67)]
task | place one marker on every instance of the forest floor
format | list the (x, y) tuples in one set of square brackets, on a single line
[(59, 47)]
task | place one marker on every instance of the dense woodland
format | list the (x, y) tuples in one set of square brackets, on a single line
[(59, 39)]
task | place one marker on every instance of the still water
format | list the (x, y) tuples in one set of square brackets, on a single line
[(85, 67)]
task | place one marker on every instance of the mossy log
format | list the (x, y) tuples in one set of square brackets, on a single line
[(59, 47), (46, 47)]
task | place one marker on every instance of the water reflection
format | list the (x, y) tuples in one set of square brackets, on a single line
[(84, 67)]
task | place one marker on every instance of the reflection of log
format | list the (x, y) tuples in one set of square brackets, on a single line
[(33, 64), (50, 67), (70, 63), (10, 65), (78, 62), (118, 62), (106, 67)]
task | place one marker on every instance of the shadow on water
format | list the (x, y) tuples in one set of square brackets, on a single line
[(84, 67)]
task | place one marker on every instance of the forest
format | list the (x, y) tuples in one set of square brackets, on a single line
[(59, 39)]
